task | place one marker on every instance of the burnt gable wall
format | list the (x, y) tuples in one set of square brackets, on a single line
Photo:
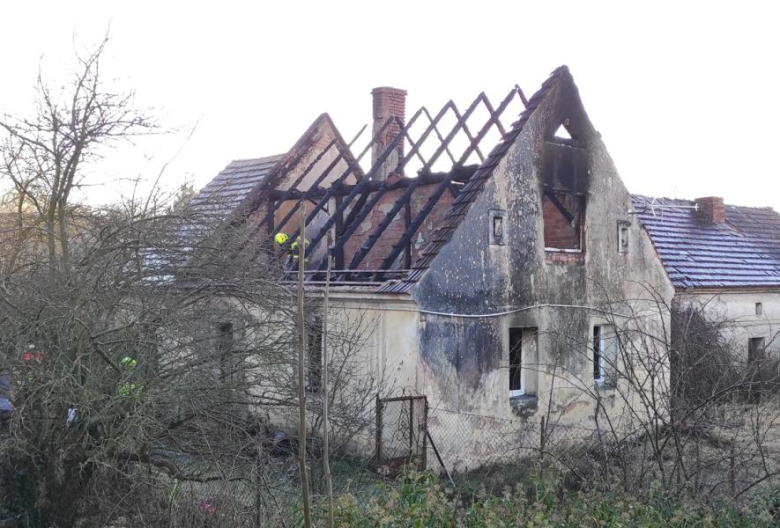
[(474, 275)]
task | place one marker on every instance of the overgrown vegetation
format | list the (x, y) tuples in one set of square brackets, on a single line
[(422, 500), (146, 346)]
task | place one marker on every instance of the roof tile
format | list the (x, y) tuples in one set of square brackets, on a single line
[(744, 251)]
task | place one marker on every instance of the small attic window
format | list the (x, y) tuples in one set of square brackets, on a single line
[(497, 227), (623, 237)]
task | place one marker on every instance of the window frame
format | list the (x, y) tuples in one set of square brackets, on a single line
[(497, 214), (599, 346), (311, 387), (516, 367)]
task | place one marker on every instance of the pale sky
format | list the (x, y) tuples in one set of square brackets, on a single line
[(684, 93)]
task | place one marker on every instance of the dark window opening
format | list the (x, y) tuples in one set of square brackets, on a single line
[(498, 227), (759, 309), (622, 237), (755, 350), (562, 213), (516, 381), (314, 357), (598, 372)]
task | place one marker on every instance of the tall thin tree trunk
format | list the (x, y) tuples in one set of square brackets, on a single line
[(325, 394), (62, 221), (301, 375)]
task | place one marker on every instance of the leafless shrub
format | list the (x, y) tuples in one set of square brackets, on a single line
[(148, 346)]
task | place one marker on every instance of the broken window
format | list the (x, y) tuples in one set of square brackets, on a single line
[(562, 213), (605, 354), (314, 356), (522, 358)]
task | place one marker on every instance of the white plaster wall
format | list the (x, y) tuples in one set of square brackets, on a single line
[(739, 311)]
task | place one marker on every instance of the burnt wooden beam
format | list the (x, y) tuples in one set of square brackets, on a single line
[(460, 174), (356, 191), (361, 253), (559, 205), (446, 183), (339, 256), (351, 227), (408, 246)]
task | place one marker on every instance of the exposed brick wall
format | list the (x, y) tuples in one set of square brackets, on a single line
[(367, 227), (397, 227), (711, 210), (558, 232)]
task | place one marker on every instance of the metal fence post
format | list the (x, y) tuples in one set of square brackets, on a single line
[(425, 433), (378, 431)]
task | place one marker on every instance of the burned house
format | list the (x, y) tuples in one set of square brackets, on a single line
[(724, 263), (495, 255)]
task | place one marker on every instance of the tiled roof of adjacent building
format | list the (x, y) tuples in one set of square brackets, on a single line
[(235, 183), (741, 252)]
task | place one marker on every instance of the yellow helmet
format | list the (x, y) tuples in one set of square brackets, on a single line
[(281, 238)]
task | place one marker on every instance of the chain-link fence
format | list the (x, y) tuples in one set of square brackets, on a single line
[(731, 451)]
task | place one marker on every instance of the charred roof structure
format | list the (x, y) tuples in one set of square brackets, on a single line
[(387, 222)]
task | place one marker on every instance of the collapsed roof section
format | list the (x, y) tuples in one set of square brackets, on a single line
[(383, 211), (377, 223)]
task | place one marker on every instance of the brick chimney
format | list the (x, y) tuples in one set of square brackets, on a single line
[(388, 102), (711, 210)]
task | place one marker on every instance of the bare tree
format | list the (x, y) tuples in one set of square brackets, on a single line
[(151, 346), (44, 153)]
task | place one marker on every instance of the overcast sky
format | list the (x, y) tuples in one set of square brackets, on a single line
[(684, 93)]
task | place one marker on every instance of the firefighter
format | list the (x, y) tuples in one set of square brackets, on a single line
[(283, 238)]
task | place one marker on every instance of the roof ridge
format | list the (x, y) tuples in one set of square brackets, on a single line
[(273, 157), (758, 207)]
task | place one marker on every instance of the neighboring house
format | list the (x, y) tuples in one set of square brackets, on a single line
[(725, 260), (496, 276)]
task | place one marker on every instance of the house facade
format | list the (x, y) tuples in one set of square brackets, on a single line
[(498, 264), (724, 262)]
